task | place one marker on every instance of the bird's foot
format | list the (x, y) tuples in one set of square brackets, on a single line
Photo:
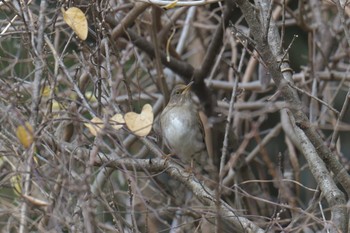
[(167, 157)]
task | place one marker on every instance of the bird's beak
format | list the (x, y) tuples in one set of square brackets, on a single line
[(187, 88)]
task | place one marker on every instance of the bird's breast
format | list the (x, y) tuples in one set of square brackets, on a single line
[(177, 125), (181, 131)]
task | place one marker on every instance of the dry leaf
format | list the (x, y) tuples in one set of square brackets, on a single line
[(25, 134), (117, 121), (95, 126), (140, 124), (35, 201), (76, 19)]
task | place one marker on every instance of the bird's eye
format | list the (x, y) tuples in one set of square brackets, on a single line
[(177, 92)]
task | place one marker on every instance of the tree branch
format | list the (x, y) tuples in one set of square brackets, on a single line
[(290, 95), (203, 193)]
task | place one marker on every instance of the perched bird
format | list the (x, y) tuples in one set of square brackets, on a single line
[(182, 129)]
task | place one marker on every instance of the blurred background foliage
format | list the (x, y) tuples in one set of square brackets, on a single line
[(117, 72)]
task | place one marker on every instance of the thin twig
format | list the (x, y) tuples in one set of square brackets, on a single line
[(36, 96), (267, 19), (66, 72), (203, 193), (185, 30), (314, 97), (181, 3), (138, 9), (335, 134), (287, 50)]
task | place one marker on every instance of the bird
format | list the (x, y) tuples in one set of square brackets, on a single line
[(182, 129)]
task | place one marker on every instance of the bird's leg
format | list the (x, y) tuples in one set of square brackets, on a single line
[(167, 156), (190, 169)]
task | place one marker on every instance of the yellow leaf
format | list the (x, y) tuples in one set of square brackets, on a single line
[(76, 19), (25, 134), (16, 184), (170, 5), (117, 121), (140, 124), (90, 96), (56, 106), (45, 92), (95, 126)]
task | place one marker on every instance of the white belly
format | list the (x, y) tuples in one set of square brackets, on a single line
[(181, 136)]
